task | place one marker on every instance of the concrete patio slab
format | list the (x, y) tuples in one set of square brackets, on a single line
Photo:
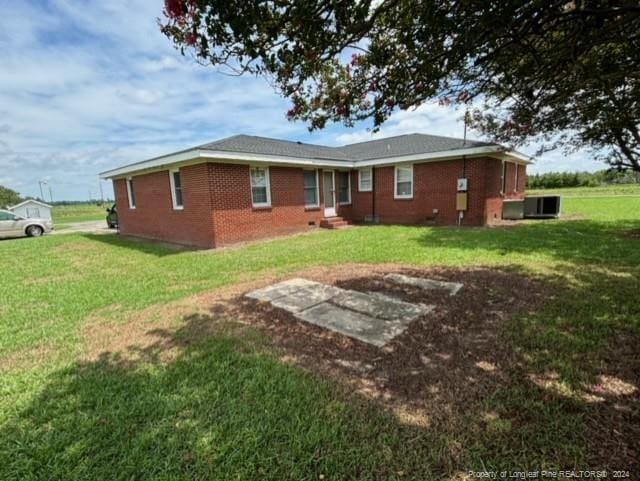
[(281, 289), (306, 297), (377, 306), (422, 283), (353, 324), (370, 317)]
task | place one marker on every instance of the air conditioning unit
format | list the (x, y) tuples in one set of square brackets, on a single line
[(542, 206), (513, 209)]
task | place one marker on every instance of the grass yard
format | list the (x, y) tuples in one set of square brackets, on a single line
[(85, 395), (66, 214), (603, 191)]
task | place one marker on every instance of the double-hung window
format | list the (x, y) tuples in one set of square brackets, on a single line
[(131, 193), (176, 189), (515, 186), (403, 182), (365, 179), (344, 188), (260, 190), (311, 191)]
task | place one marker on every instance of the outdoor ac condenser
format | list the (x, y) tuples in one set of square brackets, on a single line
[(542, 206)]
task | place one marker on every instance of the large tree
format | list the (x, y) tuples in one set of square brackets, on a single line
[(8, 197), (562, 72)]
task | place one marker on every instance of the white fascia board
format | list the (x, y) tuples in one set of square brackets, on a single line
[(437, 156), (164, 161), (198, 155)]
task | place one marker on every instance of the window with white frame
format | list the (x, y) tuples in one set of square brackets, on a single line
[(515, 186), (260, 190), (365, 179), (131, 193), (311, 191), (176, 189), (403, 182), (344, 188)]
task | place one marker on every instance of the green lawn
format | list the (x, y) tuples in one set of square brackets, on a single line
[(65, 214), (605, 190), (227, 408)]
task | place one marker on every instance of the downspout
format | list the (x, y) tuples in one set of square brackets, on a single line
[(373, 194)]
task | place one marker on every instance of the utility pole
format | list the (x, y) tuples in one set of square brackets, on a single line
[(40, 182), (50, 195)]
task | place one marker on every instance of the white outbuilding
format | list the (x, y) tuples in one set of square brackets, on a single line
[(32, 209)]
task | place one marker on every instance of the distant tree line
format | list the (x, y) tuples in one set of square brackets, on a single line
[(9, 197), (556, 180)]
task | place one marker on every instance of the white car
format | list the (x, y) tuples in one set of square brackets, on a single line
[(12, 225)]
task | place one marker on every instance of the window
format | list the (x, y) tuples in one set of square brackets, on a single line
[(344, 188), (131, 194), (176, 189), (311, 192), (404, 182), (515, 186), (260, 195), (7, 216), (503, 190), (365, 180)]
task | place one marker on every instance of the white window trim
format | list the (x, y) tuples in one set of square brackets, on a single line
[(128, 181), (503, 178), (348, 188), (515, 186), (317, 202), (267, 178), (395, 182), (360, 189), (173, 190)]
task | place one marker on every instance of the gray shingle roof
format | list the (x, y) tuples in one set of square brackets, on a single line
[(386, 148), (373, 149)]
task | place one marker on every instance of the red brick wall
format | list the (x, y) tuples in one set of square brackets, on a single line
[(218, 210), (154, 216), (434, 187), (235, 219)]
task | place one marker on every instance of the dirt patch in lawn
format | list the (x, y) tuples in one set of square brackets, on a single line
[(442, 373), (631, 234), (444, 362)]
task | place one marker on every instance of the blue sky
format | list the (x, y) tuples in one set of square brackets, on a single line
[(89, 85)]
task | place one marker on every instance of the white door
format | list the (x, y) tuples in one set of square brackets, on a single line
[(329, 191)]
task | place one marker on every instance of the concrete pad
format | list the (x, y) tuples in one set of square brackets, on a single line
[(281, 289), (378, 306), (353, 324), (306, 297), (422, 283), (370, 317)]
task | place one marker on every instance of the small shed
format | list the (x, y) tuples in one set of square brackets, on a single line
[(32, 209)]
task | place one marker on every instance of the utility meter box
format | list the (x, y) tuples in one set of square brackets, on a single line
[(462, 185), (461, 201)]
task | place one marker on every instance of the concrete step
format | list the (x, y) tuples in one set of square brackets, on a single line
[(334, 223)]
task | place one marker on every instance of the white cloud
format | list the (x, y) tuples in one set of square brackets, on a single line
[(88, 85)]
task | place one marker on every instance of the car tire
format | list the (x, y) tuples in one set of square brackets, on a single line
[(34, 231)]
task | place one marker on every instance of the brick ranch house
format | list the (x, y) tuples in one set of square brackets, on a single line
[(245, 187)]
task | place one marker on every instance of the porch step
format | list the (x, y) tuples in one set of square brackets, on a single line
[(334, 223)]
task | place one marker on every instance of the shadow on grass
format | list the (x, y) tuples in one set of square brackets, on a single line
[(576, 241), (200, 402), (146, 246), (219, 410)]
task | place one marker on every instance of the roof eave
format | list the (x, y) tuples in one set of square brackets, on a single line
[(201, 155), (30, 200)]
